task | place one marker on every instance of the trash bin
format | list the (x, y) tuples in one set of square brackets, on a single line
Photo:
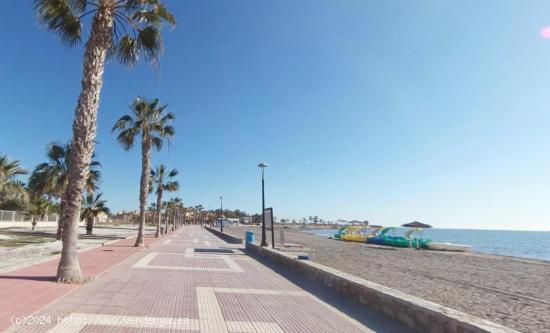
[(162, 230), (250, 237)]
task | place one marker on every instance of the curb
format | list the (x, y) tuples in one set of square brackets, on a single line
[(226, 237)]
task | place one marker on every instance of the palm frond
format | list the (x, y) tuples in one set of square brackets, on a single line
[(153, 104), (168, 117), (173, 173), (10, 169), (92, 206), (122, 123), (164, 14), (56, 152), (168, 131), (127, 137), (157, 142), (127, 50), (146, 17), (92, 181), (150, 43), (171, 186), (61, 18), (78, 6)]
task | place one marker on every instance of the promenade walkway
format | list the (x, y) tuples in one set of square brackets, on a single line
[(27, 290), (191, 281)]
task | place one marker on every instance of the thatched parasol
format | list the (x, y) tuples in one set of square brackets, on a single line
[(417, 224)]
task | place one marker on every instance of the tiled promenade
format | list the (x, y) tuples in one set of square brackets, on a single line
[(191, 281), (27, 290)]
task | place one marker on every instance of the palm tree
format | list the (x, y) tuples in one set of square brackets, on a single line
[(38, 207), (50, 178), (92, 206), (13, 195), (151, 212), (150, 122), (178, 207), (10, 188), (162, 181), (168, 208), (9, 169), (199, 209), (127, 29)]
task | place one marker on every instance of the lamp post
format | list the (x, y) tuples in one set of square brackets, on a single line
[(262, 166), (221, 213)]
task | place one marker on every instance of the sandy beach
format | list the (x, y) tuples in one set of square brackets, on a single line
[(511, 291)]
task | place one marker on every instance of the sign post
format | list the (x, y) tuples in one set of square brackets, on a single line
[(269, 224)]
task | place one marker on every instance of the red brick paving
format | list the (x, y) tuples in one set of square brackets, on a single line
[(199, 292), (27, 290)]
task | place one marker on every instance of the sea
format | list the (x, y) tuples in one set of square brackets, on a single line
[(525, 244)]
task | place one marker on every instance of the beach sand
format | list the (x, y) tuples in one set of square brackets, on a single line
[(511, 291)]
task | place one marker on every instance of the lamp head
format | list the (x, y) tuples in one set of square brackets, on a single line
[(262, 165)]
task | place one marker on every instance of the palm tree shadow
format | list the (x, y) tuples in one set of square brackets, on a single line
[(28, 278)]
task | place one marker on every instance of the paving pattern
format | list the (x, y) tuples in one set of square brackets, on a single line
[(27, 290), (192, 281)]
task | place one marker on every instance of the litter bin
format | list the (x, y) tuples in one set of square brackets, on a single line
[(250, 237), (162, 230)]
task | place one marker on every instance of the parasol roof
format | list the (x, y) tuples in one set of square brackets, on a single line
[(416, 224)]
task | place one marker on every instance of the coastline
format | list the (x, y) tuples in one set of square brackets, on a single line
[(477, 247), (512, 291)]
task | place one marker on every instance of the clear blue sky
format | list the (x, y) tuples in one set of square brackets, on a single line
[(391, 111)]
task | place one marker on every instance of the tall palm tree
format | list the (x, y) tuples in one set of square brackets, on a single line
[(50, 178), (162, 181), (127, 29), (92, 206), (151, 122)]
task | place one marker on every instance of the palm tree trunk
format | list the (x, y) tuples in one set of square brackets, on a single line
[(89, 225), (174, 220), (166, 220), (144, 185), (159, 202), (82, 143), (60, 218)]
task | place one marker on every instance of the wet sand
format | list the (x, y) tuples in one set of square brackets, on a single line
[(511, 291)]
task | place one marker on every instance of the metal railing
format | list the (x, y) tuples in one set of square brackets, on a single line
[(18, 216)]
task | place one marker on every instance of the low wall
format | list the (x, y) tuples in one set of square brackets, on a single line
[(228, 238), (416, 313)]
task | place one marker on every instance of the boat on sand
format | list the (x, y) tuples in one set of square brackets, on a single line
[(379, 235)]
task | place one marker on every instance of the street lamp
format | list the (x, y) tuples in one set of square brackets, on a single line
[(221, 213), (262, 166)]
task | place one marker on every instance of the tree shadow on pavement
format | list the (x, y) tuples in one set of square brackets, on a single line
[(30, 278)]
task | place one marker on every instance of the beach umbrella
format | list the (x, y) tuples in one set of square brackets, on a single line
[(417, 224)]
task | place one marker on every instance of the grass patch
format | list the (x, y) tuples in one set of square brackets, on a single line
[(22, 240)]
